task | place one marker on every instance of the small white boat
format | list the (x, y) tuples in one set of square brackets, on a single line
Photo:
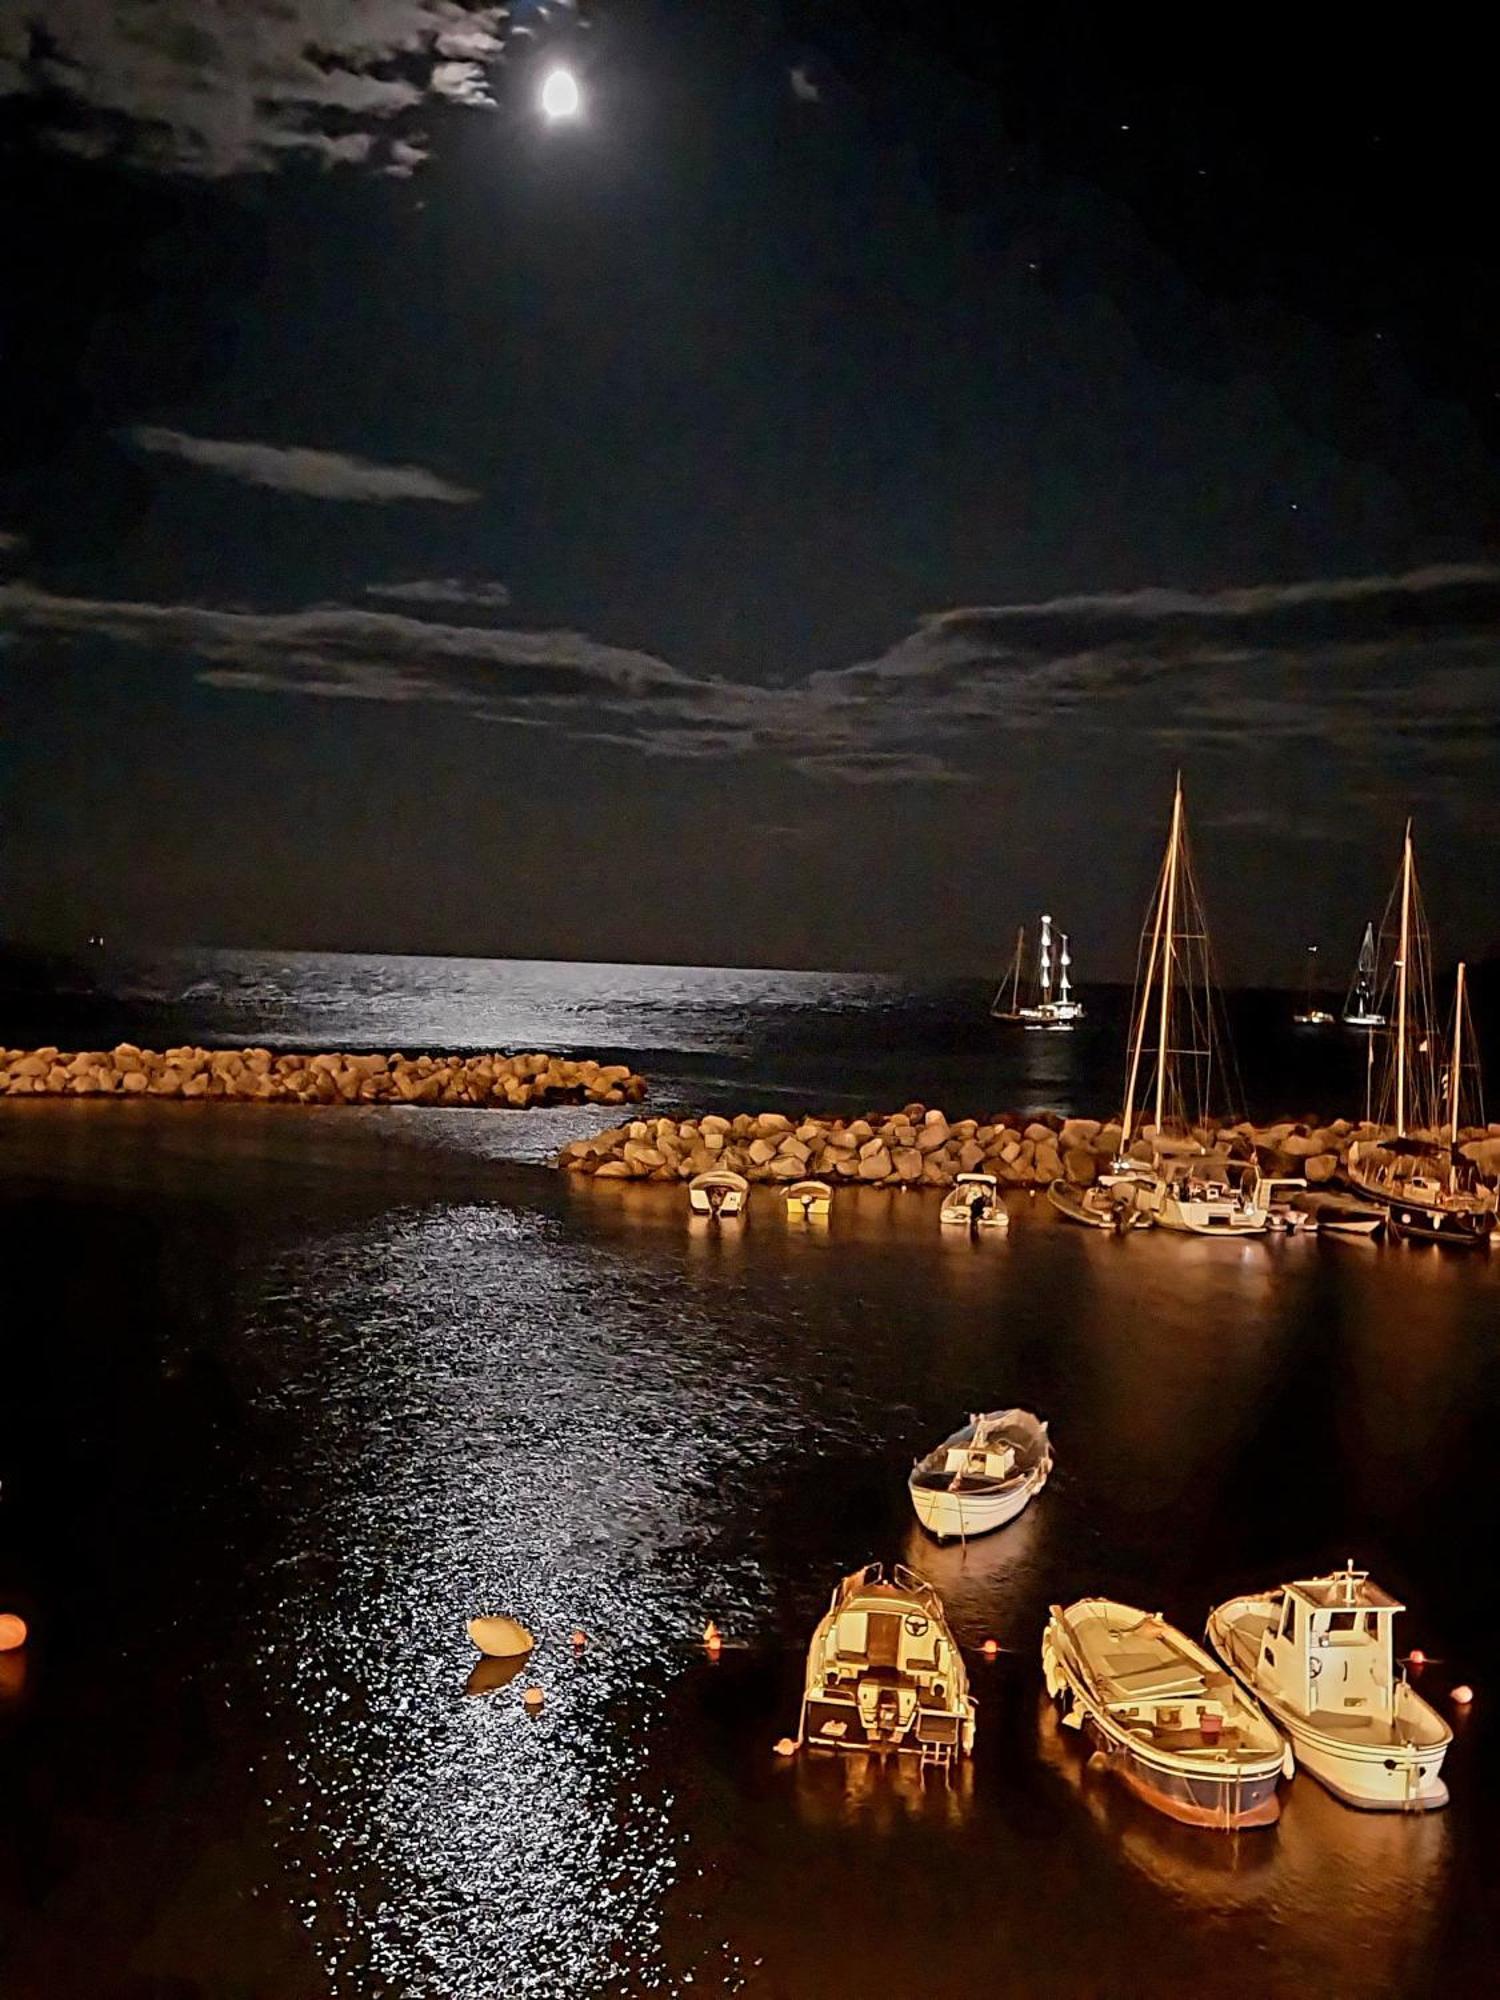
[(884, 1673), (809, 1201), (1176, 1727), (1202, 1194), (1318, 1654), (720, 1192), (973, 1202), (983, 1475), (1333, 1214), (1106, 1205)]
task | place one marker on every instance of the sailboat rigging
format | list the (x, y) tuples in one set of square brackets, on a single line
[(1360, 1010), (1050, 1005), (1414, 1167)]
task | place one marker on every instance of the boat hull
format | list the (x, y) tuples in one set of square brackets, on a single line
[(954, 1516), (1191, 1217), (1117, 1215)]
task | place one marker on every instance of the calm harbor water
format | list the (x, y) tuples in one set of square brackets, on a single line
[(291, 1395)]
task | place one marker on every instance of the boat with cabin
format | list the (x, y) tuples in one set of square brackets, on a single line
[(884, 1673), (1176, 1049), (1049, 1005), (1105, 1205), (1318, 1655), (1413, 1168), (982, 1476), (720, 1193), (1179, 1730), (973, 1202)]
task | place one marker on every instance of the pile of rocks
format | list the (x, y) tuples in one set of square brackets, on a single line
[(917, 1147), (259, 1076)]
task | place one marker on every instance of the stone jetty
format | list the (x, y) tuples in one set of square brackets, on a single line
[(918, 1147), (259, 1076)]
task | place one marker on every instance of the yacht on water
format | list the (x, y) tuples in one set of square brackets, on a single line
[(1172, 1054), (1318, 1655), (884, 1673), (1049, 1005), (1360, 1010), (1414, 1168)]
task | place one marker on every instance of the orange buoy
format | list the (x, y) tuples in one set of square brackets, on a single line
[(1416, 1657), (784, 1746), (713, 1639), (12, 1632), (579, 1640), (991, 1648), (1463, 1694), (532, 1699)]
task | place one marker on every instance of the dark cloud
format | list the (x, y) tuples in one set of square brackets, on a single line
[(318, 475), (443, 590), (214, 90)]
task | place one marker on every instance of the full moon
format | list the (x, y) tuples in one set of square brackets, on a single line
[(560, 95)]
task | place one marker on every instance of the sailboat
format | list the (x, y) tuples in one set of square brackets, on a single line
[(1050, 1005), (1186, 1188), (1415, 1170), (1312, 1016), (1360, 1010)]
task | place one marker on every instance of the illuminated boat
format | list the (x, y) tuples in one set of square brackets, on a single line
[(1178, 1729), (1360, 1010), (1319, 1655), (809, 1201), (983, 1475), (720, 1193), (1106, 1205), (973, 1202), (1050, 1006), (884, 1673)]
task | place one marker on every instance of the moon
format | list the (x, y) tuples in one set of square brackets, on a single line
[(560, 96)]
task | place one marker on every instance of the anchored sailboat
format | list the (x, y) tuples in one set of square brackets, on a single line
[(1415, 1169), (1360, 1010), (1050, 1005), (1187, 1187)]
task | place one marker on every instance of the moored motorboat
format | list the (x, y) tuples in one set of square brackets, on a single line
[(1105, 1205), (1278, 1193), (1318, 1654), (983, 1475), (720, 1192), (1334, 1214), (973, 1202), (1199, 1193), (885, 1674), (809, 1201), (1178, 1729)]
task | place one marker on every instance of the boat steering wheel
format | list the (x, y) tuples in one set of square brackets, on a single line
[(915, 1625)]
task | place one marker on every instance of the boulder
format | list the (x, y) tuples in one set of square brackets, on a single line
[(1321, 1167), (874, 1165), (1080, 1166), (908, 1164)]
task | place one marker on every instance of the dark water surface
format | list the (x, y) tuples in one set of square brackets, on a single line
[(290, 1394)]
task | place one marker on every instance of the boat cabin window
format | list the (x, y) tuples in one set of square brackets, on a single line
[(1289, 1620), (1342, 1621)]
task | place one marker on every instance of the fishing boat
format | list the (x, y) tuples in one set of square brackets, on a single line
[(809, 1201), (1176, 1046), (1105, 1205), (973, 1202), (720, 1192), (884, 1673), (1311, 1015), (1360, 1010), (983, 1475), (1335, 1214), (1178, 1729), (1414, 1168), (1318, 1655), (1049, 1005)]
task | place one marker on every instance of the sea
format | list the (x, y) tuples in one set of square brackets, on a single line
[(290, 1394)]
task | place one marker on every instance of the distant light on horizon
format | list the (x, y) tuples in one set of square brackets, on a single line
[(560, 96)]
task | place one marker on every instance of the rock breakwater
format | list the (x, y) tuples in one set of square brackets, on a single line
[(259, 1076), (917, 1147)]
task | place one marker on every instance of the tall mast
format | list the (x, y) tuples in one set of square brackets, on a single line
[(1015, 991), (1170, 898), (1401, 986), (1138, 1026), (1455, 1074)]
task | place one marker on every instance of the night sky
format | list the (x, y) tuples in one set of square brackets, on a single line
[(799, 513)]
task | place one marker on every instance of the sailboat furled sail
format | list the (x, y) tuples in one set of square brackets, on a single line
[(1049, 1003), (1174, 1060), (1360, 1010), (1414, 1167)]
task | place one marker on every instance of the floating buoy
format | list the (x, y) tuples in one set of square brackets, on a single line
[(1416, 1657), (713, 1639), (1463, 1694), (785, 1746), (532, 1699), (991, 1648), (501, 1638), (489, 1676), (12, 1632), (578, 1640)]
